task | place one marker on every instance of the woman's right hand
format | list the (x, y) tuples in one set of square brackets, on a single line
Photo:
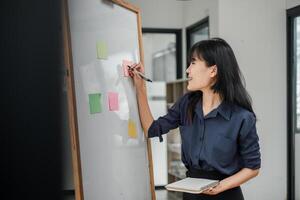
[(137, 80)]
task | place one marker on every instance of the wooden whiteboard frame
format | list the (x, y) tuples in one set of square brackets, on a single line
[(72, 111)]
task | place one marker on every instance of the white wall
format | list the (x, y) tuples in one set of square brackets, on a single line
[(256, 30), (160, 13), (194, 11), (292, 3)]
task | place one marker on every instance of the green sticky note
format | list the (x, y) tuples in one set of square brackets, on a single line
[(101, 50), (95, 103)]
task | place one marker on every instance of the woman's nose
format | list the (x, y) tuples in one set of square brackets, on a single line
[(187, 70)]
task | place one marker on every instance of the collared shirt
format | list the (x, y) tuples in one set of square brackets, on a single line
[(224, 140)]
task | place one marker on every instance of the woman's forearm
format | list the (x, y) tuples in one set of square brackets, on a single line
[(233, 181), (144, 110), (239, 178)]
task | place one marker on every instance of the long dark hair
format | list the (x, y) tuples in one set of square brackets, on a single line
[(230, 81)]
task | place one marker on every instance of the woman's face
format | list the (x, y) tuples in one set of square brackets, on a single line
[(200, 76)]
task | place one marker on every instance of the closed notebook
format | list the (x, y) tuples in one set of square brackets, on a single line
[(192, 185)]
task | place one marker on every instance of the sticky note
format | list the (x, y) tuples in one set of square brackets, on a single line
[(113, 101), (95, 103), (125, 67), (132, 129), (101, 50)]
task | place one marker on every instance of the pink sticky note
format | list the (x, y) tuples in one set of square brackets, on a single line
[(125, 67), (113, 101)]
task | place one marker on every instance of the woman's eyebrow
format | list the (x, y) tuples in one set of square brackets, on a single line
[(193, 59)]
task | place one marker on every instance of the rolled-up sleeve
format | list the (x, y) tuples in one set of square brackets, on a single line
[(249, 143), (165, 123)]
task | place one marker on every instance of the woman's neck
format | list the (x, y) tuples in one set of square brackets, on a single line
[(210, 100)]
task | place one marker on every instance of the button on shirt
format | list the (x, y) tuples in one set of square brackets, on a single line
[(224, 140)]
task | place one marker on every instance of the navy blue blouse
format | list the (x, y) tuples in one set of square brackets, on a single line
[(224, 140)]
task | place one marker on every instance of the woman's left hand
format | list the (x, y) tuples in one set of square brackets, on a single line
[(215, 190)]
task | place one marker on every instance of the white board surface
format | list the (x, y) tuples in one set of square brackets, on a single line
[(114, 166)]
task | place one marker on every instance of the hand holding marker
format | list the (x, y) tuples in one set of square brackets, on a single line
[(140, 74)]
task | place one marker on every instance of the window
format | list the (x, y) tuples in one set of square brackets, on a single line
[(293, 102), (296, 56), (197, 32), (162, 48)]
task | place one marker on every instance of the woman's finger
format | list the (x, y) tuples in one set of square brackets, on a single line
[(134, 65), (209, 191), (140, 67), (137, 66)]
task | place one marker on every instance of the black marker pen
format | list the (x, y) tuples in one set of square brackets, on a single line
[(141, 75)]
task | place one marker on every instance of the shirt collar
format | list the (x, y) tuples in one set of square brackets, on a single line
[(224, 109)]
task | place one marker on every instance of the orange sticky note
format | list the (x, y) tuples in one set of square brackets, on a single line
[(113, 101), (132, 129), (125, 67)]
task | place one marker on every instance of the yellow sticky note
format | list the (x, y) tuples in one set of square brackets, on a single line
[(101, 50), (132, 129)]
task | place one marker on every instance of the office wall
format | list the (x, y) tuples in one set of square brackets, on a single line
[(194, 11), (256, 30), (292, 3), (160, 13)]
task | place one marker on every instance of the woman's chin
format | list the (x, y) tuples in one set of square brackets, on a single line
[(189, 88)]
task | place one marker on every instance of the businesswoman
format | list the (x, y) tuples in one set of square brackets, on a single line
[(216, 121)]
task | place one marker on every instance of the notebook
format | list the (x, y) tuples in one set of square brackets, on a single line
[(192, 185)]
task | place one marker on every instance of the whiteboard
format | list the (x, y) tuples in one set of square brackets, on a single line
[(111, 164)]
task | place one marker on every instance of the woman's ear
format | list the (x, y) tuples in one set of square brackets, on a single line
[(214, 71)]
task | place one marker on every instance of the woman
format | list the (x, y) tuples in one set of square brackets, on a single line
[(216, 120)]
